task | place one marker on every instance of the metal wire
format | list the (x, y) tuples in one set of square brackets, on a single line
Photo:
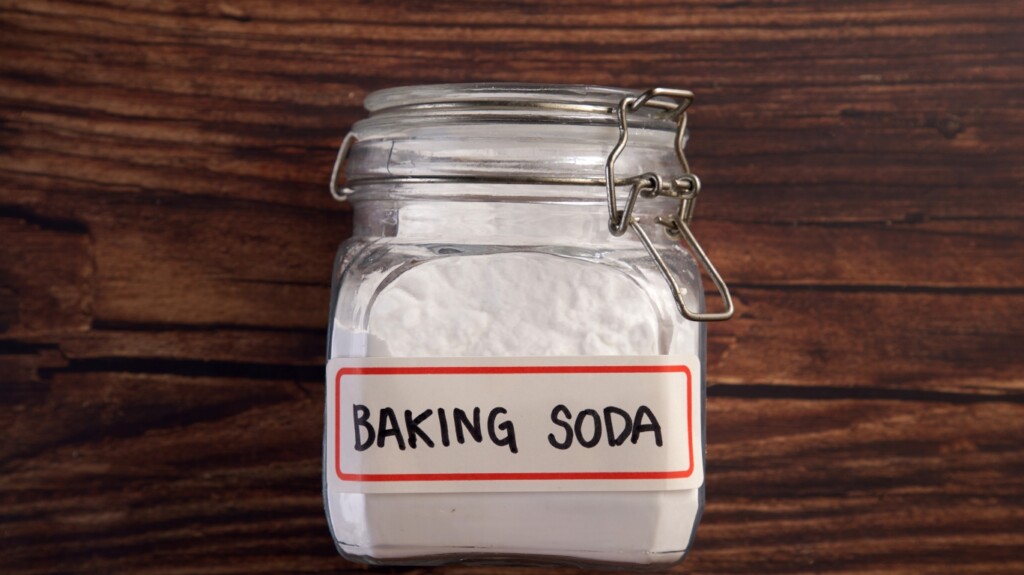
[(685, 187)]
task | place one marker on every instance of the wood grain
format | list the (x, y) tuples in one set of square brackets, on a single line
[(166, 242)]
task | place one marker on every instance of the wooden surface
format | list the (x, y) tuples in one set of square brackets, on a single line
[(166, 241)]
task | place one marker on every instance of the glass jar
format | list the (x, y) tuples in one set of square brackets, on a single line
[(495, 316)]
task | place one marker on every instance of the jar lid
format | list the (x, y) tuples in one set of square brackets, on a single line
[(505, 134)]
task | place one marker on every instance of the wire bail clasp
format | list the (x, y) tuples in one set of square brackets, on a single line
[(346, 146), (685, 188)]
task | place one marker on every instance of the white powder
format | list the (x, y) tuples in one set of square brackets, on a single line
[(516, 304), (506, 305)]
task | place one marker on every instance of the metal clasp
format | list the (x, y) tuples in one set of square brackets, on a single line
[(346, 146), (685, 187)]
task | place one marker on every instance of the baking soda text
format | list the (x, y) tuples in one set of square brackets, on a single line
[(429, 428)]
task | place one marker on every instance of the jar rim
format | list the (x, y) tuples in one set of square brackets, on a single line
[(398, 97), (504, 133)]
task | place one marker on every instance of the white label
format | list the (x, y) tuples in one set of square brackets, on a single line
[(513, 424)]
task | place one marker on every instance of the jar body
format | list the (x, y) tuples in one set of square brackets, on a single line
[(509, 275)]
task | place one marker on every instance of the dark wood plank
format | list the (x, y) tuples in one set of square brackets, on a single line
[(166, 242)]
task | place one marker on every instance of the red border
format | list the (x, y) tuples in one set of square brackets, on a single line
[(511, 370)]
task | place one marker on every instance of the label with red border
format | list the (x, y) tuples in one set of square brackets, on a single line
[(416, 425)]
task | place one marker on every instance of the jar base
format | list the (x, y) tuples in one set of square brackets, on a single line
[(621, 530), (431, 557)]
